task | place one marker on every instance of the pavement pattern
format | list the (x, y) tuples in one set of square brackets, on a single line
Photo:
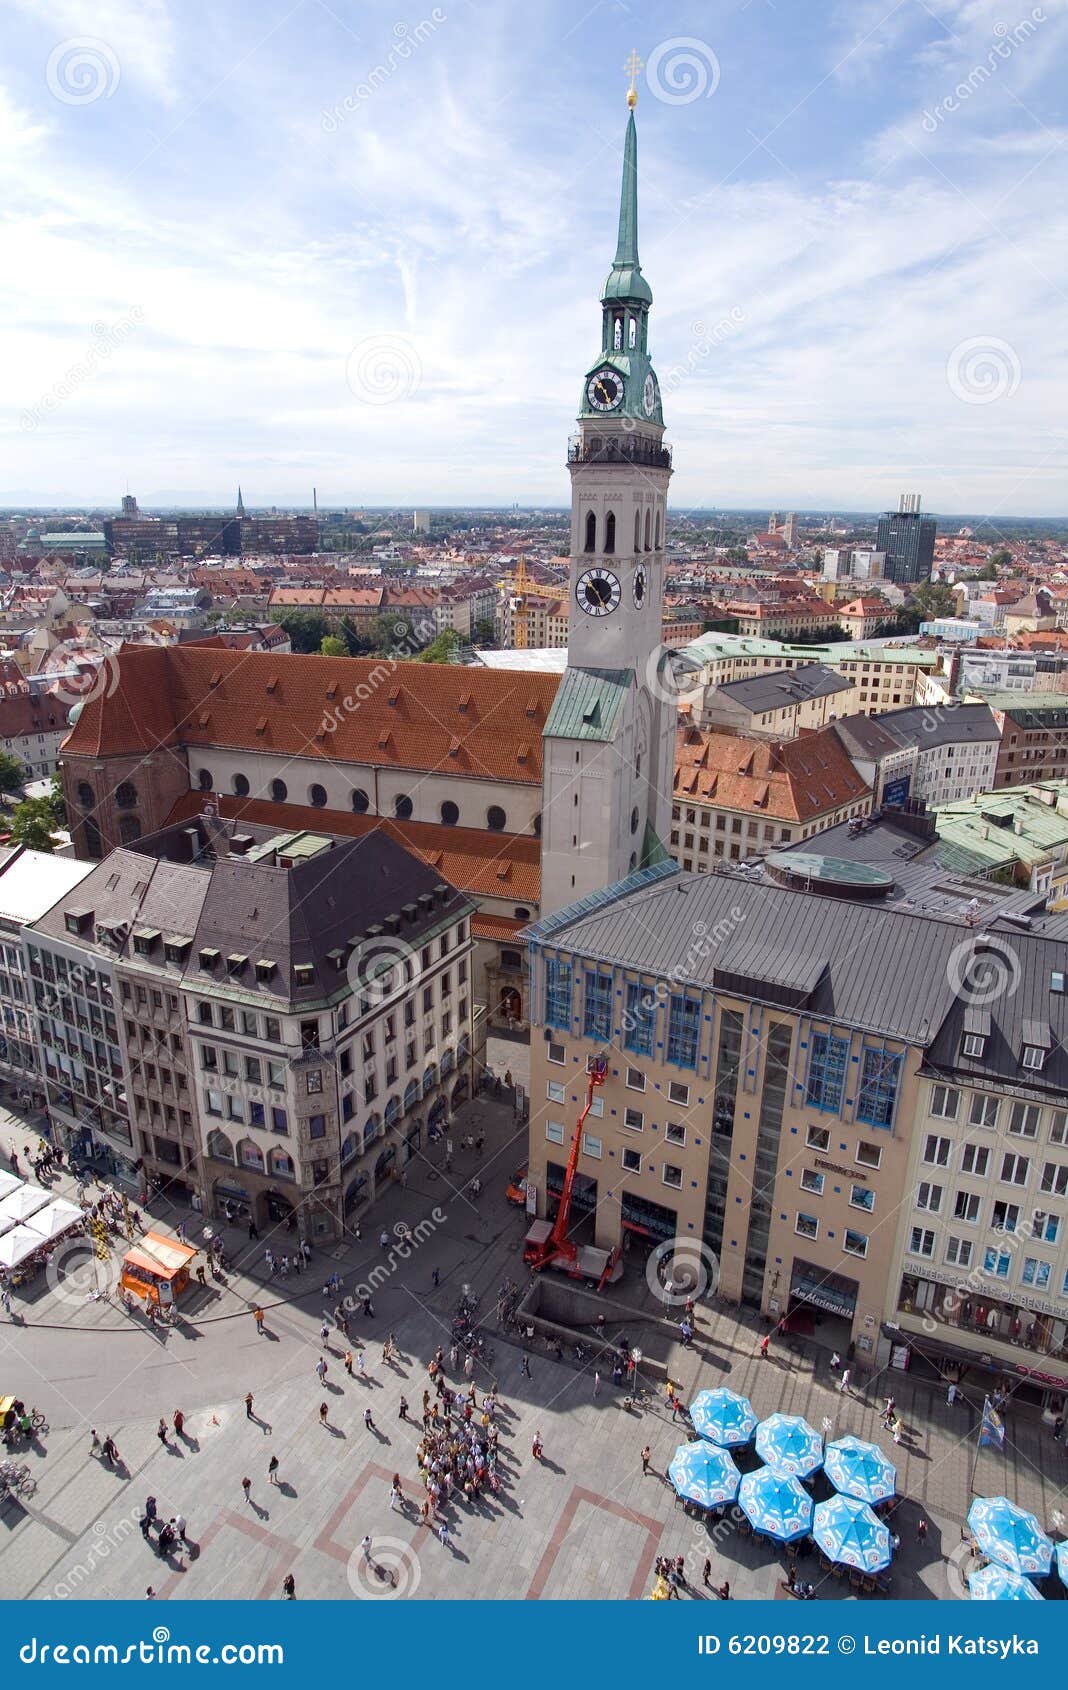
[(584, 1521)]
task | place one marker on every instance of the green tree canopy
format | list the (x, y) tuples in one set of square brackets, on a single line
[(331, 646), (12, 773), (33, 824)]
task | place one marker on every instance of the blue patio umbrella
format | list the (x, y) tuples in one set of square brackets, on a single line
[(703, 1474), (997, 1584), (860, 1469), (790, 1445), (776, 1504), (1062, 1560), (1010, 1536), (723, 1417), (847, 1531)]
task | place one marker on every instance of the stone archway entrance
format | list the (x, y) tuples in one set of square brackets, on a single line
[(510, 1006)]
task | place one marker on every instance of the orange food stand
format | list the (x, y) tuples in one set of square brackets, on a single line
[(157, 1268)]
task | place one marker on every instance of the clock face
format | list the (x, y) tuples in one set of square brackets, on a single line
[(604, 390), (649, 396), (598, 592), (639, 585)]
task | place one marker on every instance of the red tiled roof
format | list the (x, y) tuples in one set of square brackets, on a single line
[(437, 717), (487, 865), (791, 780)]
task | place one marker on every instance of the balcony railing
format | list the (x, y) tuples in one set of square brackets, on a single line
[(618, 449)]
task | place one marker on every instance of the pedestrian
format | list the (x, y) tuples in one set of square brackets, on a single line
[(646, 1456), (179, 1422), (324, 1335), (843, 1385), (365, 1546), (272, 1470), (248, 1405), (149, 1593), (368, 1308), (201, 1277), (724, 1591), (921, 1530), (443, 1534), (95, 1445), (361, 1365), (161, 1431), (536, 1447), (253, 1231), (765, 1345), (109, 1451), (402, 1412), (246, 1486), (368, 1420), (525, 1368), (324, 1414), (289, 1588), (146, 1527), (178, 1525), (951, 1395), (348, 1363), (435, 1278), (257, 1315), (836, 1361), (898, 1428), (706, 1573), (596, 1383), (321, 1369)]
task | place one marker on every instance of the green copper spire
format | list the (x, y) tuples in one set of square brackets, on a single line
[(625, 280)]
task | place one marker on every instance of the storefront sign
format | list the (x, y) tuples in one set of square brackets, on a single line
[(981, 1284)]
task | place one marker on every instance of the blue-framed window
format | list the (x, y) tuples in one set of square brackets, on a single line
[(639, 1029), (557, 993), (684, 1031), (597, 1011), (827, 1059), (880, 1076)]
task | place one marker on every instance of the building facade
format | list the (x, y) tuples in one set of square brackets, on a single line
[(907, 539)]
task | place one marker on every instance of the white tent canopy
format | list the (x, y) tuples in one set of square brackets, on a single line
[(58, 1218), (19, 1205), (8, 1183), (17, 1244)]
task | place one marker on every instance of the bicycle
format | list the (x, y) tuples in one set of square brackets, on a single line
[(38, 1421)]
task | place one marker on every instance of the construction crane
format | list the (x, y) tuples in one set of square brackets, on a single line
[(522, 587), (548, 1243)]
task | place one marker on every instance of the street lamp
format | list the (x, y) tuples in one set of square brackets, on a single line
[(636, 1358)]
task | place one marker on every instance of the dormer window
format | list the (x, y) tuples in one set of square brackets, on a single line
[(974, 1044), (1034, 1057)]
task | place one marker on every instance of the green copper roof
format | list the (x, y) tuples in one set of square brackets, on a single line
[(588, 703), (625, 279), (654, 851)]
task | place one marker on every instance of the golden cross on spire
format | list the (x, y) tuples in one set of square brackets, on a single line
[(632, 67)]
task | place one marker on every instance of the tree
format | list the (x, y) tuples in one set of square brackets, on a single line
[(331, 646), (306, 628), (989, 571), (394, 634), (484, 631), (441, 648), (58, 802), (33, 824), (997, 560), (12, 773)]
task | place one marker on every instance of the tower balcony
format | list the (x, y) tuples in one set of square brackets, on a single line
[(618, 449)]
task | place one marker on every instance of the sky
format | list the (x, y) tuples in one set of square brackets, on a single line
[(303, 243)]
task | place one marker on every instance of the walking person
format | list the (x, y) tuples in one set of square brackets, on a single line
[(765, 1345), (368, 1420), (646, 1456), (95, 1445), (289, 1588), (179, 1525), (178, 1421), (525, 1368), (843, 1384), (402, 1412), (324, 1414), (921, 1531), (365, 1546), (246, 1486), (536, 1447), (257, 1315), (248, 1406), (443, 1534), (161, 1432), (596, 1383), (348, 1363), (321, 1369), (706, 1573), (272, 1470)]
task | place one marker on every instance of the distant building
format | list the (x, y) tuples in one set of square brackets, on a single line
[(908, 540), (935, 754), (789, 529), (420, 522), (1034, 737), (779, 704)]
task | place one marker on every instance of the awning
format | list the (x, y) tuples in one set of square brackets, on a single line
[(163, 1257), (56, 1219)]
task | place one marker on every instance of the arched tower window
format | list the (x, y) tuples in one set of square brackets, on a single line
[(591, 532), (617, 335), (648, 530), (633, 332), (659, 540), (637, 531), (610, 532)]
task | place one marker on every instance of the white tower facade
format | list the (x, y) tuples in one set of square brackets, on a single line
[(609, 742)]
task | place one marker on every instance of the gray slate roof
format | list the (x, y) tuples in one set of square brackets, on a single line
[(780, 689)]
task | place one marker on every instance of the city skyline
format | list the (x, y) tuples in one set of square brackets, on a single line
[(363, 258)]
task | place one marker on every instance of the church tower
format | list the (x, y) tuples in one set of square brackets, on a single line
[(609, 741)]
